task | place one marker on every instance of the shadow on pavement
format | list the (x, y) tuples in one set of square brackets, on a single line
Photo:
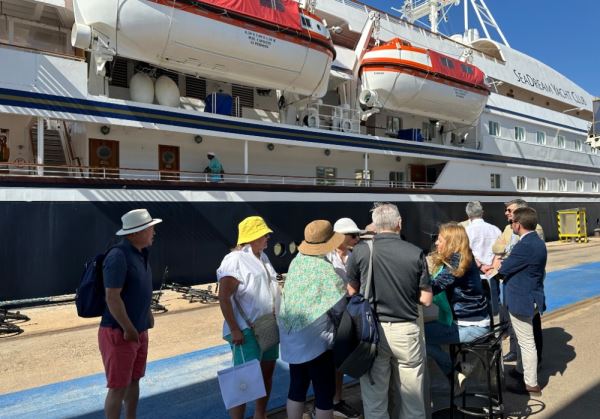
[(557, 355), (583, 407)]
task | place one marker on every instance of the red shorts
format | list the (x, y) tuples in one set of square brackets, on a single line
[(124, 361)]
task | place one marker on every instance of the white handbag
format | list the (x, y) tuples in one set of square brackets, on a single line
[(241, 383)]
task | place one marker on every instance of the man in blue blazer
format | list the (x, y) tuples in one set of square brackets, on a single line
[(523, 272)]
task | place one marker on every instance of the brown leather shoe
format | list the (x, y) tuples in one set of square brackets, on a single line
[(525, 389)]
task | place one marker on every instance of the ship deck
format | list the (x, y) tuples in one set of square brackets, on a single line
[(53, 370)]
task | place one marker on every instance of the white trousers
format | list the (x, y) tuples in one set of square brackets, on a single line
[(401, 358), (526, 351)]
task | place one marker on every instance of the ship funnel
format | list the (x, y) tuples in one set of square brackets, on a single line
[(368, 98), (81, 36)]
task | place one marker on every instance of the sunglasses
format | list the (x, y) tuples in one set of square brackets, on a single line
[(508, 210), (353, 235)]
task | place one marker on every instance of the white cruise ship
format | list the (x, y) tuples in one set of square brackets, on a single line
[(316, 109)]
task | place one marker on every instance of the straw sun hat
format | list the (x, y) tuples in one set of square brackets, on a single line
[(319, 238), (252, 228)]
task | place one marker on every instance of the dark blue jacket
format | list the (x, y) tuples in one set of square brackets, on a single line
[(523, 272), (465, 293)]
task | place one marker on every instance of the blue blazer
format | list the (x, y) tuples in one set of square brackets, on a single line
[(524, 271)]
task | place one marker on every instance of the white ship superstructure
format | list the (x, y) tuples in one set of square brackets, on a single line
[(110, 105)]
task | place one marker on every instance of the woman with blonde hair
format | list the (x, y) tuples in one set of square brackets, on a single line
[(248, 290), (455, 273)]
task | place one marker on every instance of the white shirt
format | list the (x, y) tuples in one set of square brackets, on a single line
[(257, 285), (308, 343), (338, 264), (482, 237)]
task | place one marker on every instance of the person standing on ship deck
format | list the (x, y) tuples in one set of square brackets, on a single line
[(248, 289), (123, 332), (215, 168)]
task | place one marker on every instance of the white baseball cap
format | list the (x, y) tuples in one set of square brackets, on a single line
[(346, 226)]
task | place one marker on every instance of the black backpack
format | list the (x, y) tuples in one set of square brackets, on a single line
[(89, 297), (357, 336)]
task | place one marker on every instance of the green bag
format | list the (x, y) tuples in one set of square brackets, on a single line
[(440, 299)]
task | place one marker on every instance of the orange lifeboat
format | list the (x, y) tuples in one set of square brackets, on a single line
[(400, 77)]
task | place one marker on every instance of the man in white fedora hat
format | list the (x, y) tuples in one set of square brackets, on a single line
[(123, 333)]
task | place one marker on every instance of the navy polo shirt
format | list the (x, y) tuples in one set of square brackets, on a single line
[(127, 268)]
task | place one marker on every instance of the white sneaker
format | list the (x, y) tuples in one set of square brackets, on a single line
[(459, 383), (459, 387), (466, 369)]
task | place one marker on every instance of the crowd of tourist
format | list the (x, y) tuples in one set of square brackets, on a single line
[(335, 264)]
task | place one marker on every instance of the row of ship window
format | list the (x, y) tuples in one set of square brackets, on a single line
[(543, 182), (520, 135)]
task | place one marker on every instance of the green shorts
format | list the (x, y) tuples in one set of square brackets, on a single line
[(250, 350)]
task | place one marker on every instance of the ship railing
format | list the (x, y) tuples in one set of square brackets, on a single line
[(32, 170), (334, 118)]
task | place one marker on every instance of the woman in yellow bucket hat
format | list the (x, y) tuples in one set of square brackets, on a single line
[(248, 290)]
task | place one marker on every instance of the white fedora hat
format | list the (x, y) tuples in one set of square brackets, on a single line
[(346, 226), (137, 220)]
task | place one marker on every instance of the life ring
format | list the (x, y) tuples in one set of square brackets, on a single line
[(346, 125), (311, 119)]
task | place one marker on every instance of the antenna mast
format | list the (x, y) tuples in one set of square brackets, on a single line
[(485, 19)]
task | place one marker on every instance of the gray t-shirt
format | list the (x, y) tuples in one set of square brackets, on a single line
[(399, 274)]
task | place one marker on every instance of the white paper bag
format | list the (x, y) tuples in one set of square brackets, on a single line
[(241, 384)]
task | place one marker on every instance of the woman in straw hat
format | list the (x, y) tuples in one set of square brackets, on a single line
[(248, 290), (312, 288)]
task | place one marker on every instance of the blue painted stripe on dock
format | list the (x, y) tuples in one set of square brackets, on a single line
[(185, 386), (569, 286)]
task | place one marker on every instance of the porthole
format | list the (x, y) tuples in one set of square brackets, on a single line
[(279, 249), (104, 152), (293, 248)]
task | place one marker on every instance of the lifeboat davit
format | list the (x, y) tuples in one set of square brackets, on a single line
[(250, 42), (400, 77)]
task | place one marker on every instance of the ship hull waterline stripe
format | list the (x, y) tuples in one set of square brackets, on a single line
[(55, 103)]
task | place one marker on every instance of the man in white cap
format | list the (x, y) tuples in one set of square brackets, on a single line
[(338, 258), (215, 168), (123, 333)]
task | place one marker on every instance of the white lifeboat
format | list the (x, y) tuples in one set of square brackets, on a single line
[(400, 77), (251, 42)]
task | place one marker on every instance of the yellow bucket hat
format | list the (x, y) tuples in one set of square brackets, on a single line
[(252, 228)]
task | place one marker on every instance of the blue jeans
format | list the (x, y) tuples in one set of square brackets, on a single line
[(437, 334)]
